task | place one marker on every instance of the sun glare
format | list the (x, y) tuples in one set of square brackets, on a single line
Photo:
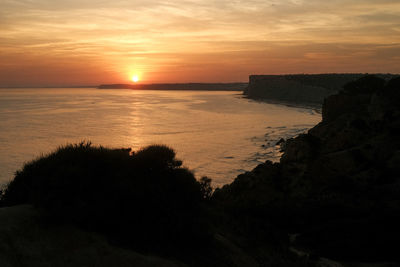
[(135, 78)]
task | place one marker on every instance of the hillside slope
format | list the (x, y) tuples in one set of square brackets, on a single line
[(336, 190), (26, 240)]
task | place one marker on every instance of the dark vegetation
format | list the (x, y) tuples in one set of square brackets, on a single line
[(335, 193), (143, 199)]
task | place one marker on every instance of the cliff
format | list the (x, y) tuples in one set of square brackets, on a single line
[(299, 88), (336, 190)]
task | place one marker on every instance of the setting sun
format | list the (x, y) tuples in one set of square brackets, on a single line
[(135, 78)]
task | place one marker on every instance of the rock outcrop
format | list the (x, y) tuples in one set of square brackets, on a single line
[(338, 186)]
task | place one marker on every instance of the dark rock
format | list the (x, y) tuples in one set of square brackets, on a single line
[(280, 142), (301, 149), (339, 184)]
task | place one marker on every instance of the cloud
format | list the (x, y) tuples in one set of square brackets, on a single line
[(150, 33)]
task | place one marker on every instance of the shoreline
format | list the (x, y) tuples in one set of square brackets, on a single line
[(304, 105)]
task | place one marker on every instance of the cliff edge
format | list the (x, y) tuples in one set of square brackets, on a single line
[(300, 88)]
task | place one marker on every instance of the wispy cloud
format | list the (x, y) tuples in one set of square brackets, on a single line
[(151, 35)]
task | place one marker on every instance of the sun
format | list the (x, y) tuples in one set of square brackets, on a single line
[(135, 78)]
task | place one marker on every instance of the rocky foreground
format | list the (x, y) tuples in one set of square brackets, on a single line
[(336, 191), (333, 200), (26, 240)]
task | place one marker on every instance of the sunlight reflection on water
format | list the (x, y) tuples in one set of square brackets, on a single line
[(218, 134)]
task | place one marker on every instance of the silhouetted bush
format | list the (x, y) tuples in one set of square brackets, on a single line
[(143, 199), (205, 187)]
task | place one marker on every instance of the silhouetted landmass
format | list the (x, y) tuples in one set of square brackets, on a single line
[(336, 190), (143, 199), (104, 201), (27, 240), (179, 86), (300, 88), (335, 194)]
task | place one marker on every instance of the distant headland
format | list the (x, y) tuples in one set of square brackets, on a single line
[(179, 86), (301, 88)]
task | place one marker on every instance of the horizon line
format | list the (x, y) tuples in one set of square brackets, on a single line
[(156, 83), (126, 83)]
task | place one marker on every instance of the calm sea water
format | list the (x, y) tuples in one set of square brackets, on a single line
[(218, 134)]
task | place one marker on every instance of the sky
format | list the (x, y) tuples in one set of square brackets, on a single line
[(90, 42)]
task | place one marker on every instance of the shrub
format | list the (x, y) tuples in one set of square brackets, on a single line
[(144, 199), (205, 187)]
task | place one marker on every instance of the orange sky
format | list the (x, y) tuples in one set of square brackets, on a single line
[(82, 42)]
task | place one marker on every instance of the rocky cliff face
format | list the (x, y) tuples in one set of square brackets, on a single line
[(301, 88), (338, 186)]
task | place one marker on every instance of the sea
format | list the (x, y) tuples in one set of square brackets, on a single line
[(218, 134)]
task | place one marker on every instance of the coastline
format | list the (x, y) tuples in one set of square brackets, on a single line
[(316, 107), (334, 184), (203, 112), (334, 193)]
